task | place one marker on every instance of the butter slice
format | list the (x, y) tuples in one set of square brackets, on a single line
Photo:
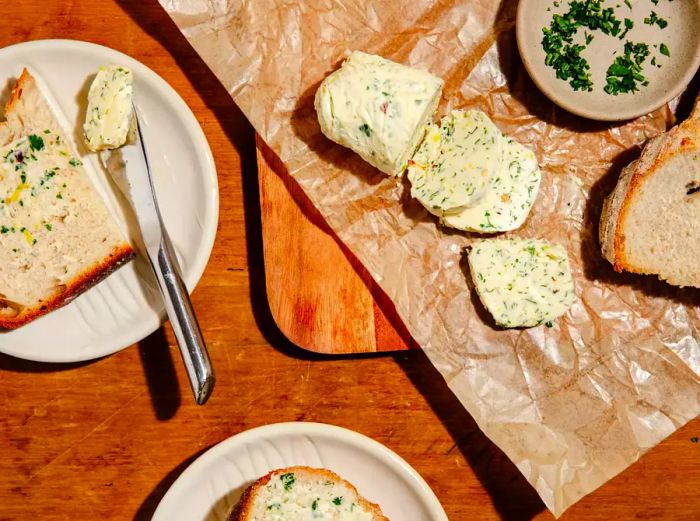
[(522, 282), (509, 198), (109, 122), (472, 176), (377, 108), (456, 161)]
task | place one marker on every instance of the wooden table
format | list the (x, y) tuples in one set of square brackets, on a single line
[(105, 439)]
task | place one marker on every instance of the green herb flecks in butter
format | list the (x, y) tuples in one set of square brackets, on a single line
[(288, 480), (28, 172), (522, 282), (472, 176), (377, 108), (455, 162)]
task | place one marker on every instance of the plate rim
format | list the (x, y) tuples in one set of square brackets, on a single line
[(360, 441), (194, 130), (543, 86)]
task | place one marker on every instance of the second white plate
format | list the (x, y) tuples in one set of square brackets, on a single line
[(209, 488), (125, 307)]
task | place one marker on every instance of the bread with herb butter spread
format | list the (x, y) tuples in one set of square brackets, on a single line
[(57, 237), (301, 494)]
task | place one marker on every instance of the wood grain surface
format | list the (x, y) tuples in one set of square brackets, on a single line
[(320, 296), (104, 440)]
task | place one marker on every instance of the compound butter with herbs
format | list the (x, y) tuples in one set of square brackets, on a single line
[(109, 120), (509, 197), (472, 176), (304, 494), (522, 282), (52, 223), (377, 108), (456, 161)]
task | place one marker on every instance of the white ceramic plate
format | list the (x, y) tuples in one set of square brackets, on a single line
[(209, 488), (125, 307), (681, 35)]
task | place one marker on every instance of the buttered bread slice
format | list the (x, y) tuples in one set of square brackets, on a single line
[(304, 494), (57, 237)]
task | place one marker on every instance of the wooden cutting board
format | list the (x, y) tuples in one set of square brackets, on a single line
[(320, 296)]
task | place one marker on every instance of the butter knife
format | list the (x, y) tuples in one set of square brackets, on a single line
[(141, 194)]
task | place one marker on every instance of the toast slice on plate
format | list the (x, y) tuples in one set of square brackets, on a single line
[(651, 221), (300, 493), (57, 237)]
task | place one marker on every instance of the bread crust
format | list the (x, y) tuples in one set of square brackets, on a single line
[(655, 153), (75, 287), (242, 510), (91, 276)]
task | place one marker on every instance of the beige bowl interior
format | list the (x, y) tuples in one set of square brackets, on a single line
[(682, 36)]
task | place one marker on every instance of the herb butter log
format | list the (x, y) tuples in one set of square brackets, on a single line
[(304, 494), (377, 108), (109, 119), (472, 176), (57, 237), (522, 282)]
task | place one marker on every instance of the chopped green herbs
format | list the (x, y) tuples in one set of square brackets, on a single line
[(625, 74), (694, 439), (314, 505), (564, 55), (653, 18), (48, 226), (288, 480), (364, 128), (74, 162), (337, 500), (629, 24), (36, 142)]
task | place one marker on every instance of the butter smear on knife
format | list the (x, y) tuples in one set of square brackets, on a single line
[(109, 121)]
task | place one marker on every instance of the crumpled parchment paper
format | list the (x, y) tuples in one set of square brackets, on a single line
[(571, 405)]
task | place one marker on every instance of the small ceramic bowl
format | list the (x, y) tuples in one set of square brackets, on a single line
[(667, 77)]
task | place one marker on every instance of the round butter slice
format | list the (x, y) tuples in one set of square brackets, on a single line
[(456, 161), (509, 197), (522, 282)]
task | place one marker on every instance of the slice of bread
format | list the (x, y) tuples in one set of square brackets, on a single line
[(304, 493), (651, 221), (57, 237)]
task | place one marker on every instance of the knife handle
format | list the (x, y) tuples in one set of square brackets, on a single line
[(184, 322)]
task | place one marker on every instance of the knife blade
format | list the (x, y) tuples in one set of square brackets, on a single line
[(136, 181)]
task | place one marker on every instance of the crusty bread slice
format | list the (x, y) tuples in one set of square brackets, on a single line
[(651, 221), (304, 493), (57, 237)]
